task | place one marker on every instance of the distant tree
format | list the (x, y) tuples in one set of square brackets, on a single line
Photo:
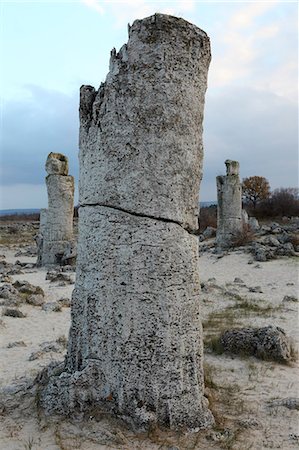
[(285, 202), (255, 189)]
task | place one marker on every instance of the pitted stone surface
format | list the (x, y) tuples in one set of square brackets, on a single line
[(141, 132), (229, 211), (135, 344), (57, 164)]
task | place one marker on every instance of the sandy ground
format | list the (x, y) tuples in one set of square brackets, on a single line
[(240, 390)]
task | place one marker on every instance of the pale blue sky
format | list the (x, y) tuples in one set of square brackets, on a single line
[(49, 49)]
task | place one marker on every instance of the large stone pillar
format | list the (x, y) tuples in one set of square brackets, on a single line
[(135, 343), (56, 225), (229, 211)]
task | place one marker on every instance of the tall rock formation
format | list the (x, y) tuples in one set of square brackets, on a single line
[(135, 343), (229, 212), (56, 222)]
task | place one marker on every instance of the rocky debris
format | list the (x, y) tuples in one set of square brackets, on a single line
[(57, 346), (6, 279), (290, 298), (16, 344), (270, 343), (21, 292), (57, 276), (291, 403), (55, 238), (271, 241), (262, 252), (52, 307), (229, 210), (35, 299), (64, 302), (208, 233), (24, 287), (7, 290), (249, 422), (10, 312), (10, 295), (29, 251), (238, 280), (137, 275), (256, 289), (253, 224), (7, 269)]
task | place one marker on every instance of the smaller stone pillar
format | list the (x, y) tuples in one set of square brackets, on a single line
[(56, 223), (39, 238), (229, 212)]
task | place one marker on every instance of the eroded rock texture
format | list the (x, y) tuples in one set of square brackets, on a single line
[(135, 344), (229, 211), (56, 222)]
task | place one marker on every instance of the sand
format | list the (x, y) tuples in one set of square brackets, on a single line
[(240, 389)]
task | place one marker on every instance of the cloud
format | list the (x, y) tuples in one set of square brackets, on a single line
[(94, 4), (248, 14), (126, 11), (34, 125), (255, 127)]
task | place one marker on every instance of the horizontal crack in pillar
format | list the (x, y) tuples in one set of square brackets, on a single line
[(147, 216)]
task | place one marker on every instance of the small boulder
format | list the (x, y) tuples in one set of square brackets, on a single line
[(290, 298), (24, 287), (10, 312), (52, 307), (35, 300), (209, 232), (270, 343)]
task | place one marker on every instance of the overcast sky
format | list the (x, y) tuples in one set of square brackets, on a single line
[(49, 49)]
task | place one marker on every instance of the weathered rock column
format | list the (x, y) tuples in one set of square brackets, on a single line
[(229, 211), (135, 344), (57, 228), (39, 238)]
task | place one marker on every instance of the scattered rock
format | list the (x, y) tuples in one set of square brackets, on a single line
[(253, 224), (55, 276), (16, 344), (257, 289), (238, 280), (13, 313), (7, 290), (290, 403), (52, 307), (290, 298), (24, 287), (35, 300), (270, 343), (64, 301), (35, 355), (272, 241), (249, 422), (209, 232), (6, 279)]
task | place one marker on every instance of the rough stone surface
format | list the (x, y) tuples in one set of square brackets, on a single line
[(57, 164), (229, 211), (135, 343), (56, 223), (253, 224), (146, 119), (269, 343)]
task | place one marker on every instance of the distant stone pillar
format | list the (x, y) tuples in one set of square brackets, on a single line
[(229, 211), (56, 227), (135, 344), (39, 238)]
